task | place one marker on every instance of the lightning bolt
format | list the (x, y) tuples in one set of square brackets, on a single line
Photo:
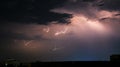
[(27, 43), (61, 32), (46, 29), (56, 48)]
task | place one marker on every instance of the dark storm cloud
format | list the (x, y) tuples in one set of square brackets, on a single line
[(27, 11), (113, 20), (38, 11), (79, 7), (87, 0), (91, 9), (111, 5)]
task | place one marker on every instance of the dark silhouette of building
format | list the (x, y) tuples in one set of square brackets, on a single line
[(9, 63), (115, 58)]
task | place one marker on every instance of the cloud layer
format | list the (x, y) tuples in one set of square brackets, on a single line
[(92, 34)]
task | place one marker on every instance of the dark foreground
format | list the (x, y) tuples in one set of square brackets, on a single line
[(61, 64), (114, 60)]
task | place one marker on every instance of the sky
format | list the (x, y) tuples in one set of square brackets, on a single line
[(61, 30)]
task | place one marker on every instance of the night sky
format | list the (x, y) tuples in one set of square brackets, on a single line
[(59, 30)]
